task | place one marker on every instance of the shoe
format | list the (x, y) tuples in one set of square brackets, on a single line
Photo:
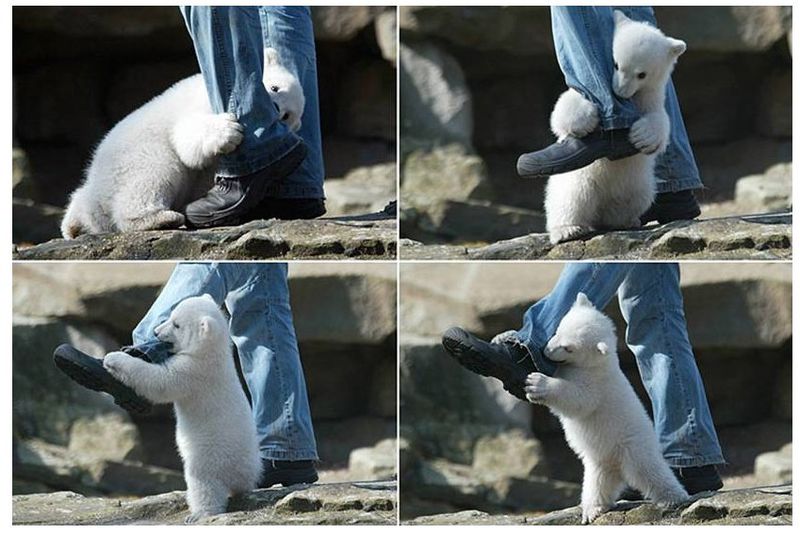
[(511, 363), (287, 473), (231, 200), (90, 373), (289, 209), (693, 479), (574, 153), (668, 207)]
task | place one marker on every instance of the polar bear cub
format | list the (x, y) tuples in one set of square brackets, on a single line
[(604, 421), (614, 194), (215, 430), (163, 156)]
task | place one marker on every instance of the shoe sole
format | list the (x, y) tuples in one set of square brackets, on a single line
[(476, 362), (290, 478), (235, 219), (550, 170), (123, 396)]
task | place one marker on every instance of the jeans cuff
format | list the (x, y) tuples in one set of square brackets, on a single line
[(617, 122), (683, 184), (275, 453), (244, 162), (681, 460)]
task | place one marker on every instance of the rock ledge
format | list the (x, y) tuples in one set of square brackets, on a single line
[(371, 236), (340, 503), (762, 237), (752, 506)]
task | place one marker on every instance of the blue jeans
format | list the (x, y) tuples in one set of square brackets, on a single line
[(229, 43), (583, 37), (256, 296), (652, 305)]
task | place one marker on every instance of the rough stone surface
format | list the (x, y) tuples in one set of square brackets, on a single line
[(775, 467), (375, 463), (362, 237), (436, 103), (364, 190), (80, 471), (444, 172), (753, 506), (320, 504), (386, 35), (342, 23), (771, 191), (757, 237)]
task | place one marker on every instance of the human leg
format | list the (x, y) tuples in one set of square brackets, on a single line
[(651, 303), (263, 331), (289, 30), (229, 48)]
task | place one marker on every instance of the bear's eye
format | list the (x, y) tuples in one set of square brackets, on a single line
[(274, 88), (616, 67), (641, 75), (568, 349), (176, 326)]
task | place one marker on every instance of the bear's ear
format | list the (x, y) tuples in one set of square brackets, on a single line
[(620, 18), (602, 348), (583, 300), (676, 47), (209, 297), (206, 326), (271, 57)]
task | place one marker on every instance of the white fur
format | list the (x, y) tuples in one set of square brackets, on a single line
[(614, 194), (215, 431), (604, 421), (163, 156)]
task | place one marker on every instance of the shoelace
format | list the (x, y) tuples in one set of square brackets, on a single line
[(223, 184)]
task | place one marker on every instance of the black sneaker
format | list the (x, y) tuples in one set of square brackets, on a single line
[(232, 200), (511, 363), (287, 473), (668, 207), (693, 479), (574, 153), (289, 209), (90, 373)]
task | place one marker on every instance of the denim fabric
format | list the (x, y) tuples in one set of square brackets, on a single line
[(583, 37), (229, 43), (256, 295), (652, 305), (289, 30)]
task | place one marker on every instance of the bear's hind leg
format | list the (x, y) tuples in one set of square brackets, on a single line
[(650, 474), (205, 498), (601, 486), (159, 220)]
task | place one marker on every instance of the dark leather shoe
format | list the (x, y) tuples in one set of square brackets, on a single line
[(574, 153), (668, 207), (510, 363), (287, 473), (693, 479), (90, 373), (231, 200), (289, 209)]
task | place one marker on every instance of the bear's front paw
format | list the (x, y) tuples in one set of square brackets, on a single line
[(223, 134), (573, 116), (116, 363), (559, 234), (648, 135), (536, 387)]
